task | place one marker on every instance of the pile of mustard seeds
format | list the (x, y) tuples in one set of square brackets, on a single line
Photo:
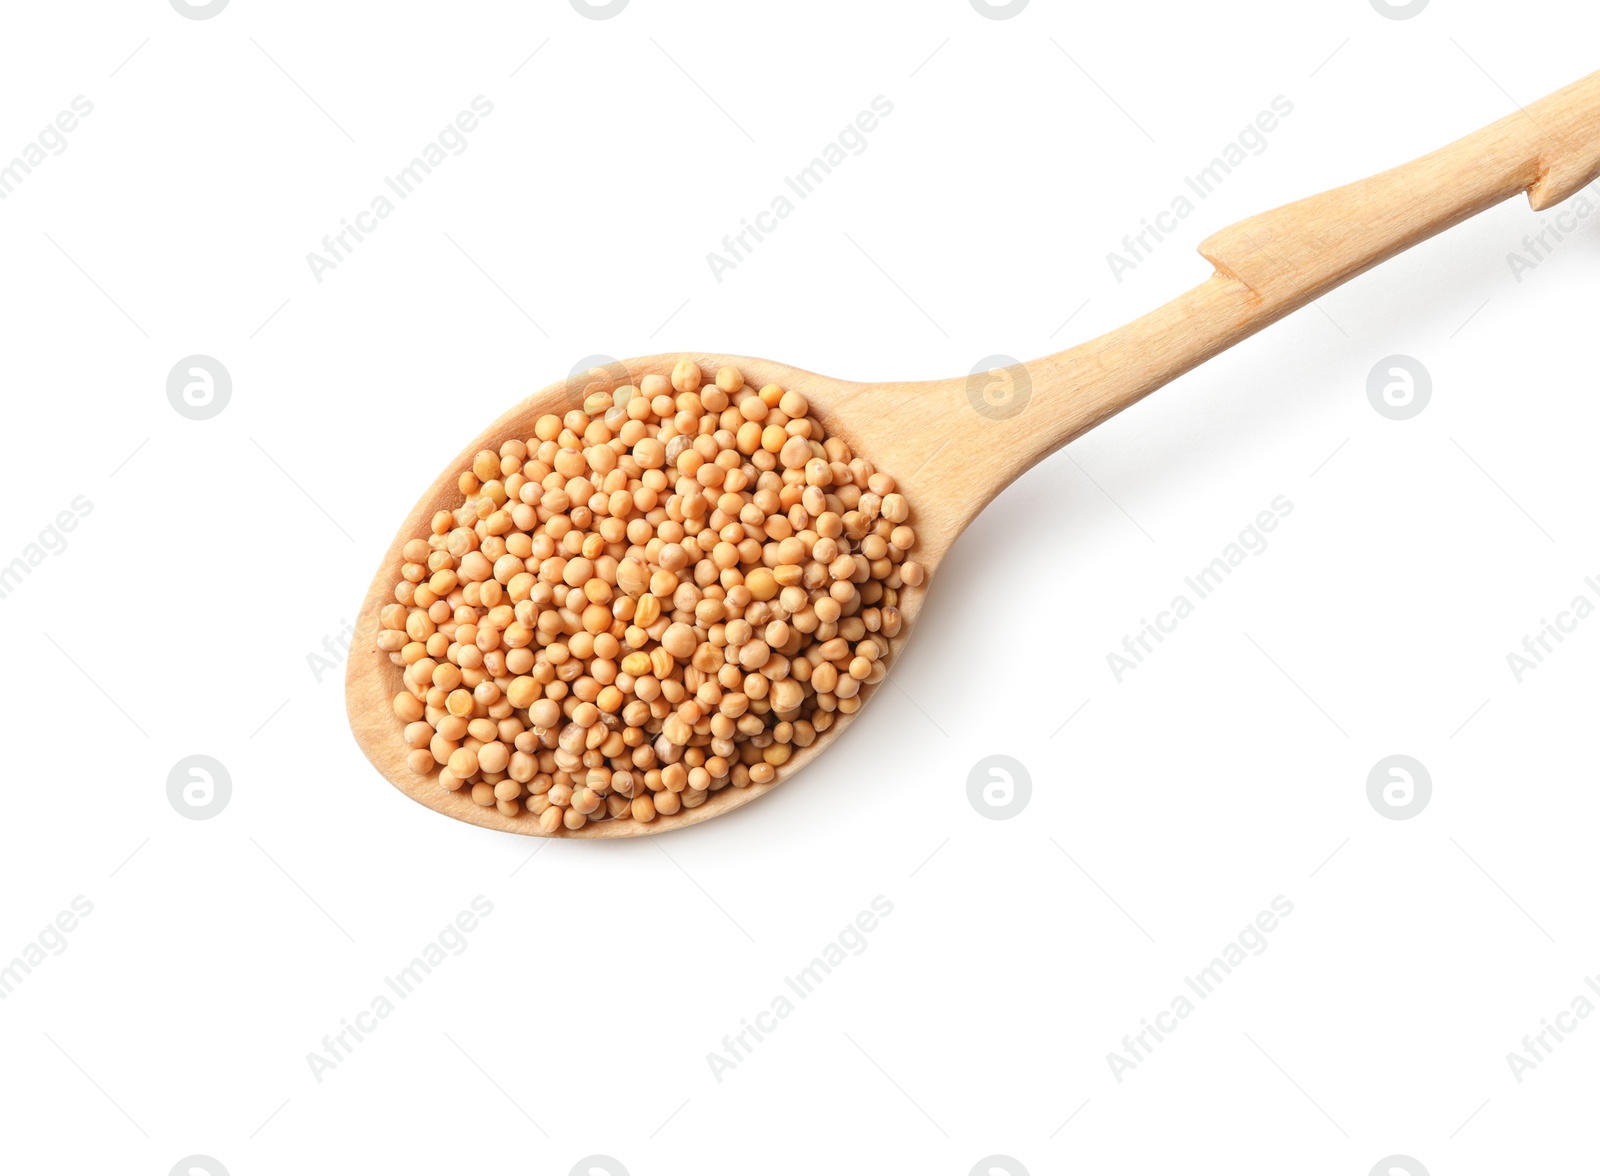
[(661, 594)]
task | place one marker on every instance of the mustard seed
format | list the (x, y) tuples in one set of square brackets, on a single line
[(686, 376), (679, 641)]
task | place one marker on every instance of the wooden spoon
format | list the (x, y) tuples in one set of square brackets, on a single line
[(952, 445)]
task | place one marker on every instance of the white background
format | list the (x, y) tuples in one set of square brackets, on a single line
[(1165, 814)]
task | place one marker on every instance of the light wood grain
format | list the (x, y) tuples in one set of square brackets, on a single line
[(951, 457)]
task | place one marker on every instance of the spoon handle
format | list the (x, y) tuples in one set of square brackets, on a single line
[(1275, 263)]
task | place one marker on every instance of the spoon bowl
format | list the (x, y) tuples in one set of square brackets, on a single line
[(372, 680)]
